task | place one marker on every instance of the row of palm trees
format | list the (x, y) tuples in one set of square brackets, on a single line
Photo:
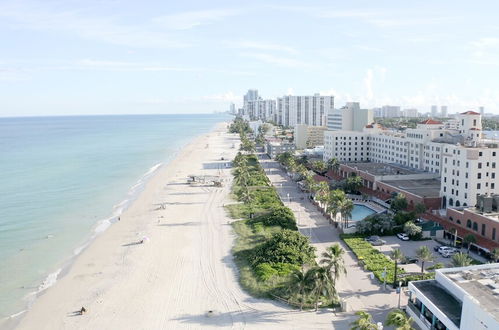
[(333, 202), (396, 318), (319, 281)]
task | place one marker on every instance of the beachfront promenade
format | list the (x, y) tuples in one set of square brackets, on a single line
[(183, 271), (357, 288)]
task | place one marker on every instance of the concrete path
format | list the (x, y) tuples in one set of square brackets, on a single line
[(357, 288)]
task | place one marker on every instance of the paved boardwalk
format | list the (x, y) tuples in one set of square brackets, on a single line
[(357, 288)]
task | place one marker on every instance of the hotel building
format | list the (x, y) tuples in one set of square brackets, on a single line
[(458, 298)]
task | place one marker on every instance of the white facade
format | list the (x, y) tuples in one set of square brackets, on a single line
[(387, 111), (468, 165), (349, 118), (458, 298), (434, 111), (410, 113), (306, 136), (443, 111), (308, 110)]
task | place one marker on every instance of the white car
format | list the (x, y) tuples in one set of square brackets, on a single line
[(449, 253), (403, 236), (445, 249)]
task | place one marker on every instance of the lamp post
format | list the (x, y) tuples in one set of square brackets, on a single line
[(400, 292)]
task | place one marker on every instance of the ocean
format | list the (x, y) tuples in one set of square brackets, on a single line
[(65, 179)]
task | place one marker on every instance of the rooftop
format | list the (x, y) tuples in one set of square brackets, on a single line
[(431, 122), (470, 113), (480, 282), (379, 169), (419, 187), (441, 298)]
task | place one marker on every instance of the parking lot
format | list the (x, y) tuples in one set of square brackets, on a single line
[(409, 249)]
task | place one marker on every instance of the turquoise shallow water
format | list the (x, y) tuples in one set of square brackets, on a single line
[(62, 176)]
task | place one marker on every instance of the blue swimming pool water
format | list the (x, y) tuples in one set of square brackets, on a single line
[(359, 212)]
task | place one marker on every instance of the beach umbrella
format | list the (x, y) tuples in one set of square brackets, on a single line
[(145, 239)]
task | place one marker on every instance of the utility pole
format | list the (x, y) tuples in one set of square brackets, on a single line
[(400, 292)]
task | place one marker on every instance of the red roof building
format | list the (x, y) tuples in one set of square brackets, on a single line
[(431, 122), (470, 113)]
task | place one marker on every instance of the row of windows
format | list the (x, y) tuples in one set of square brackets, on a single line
[(473, 225)]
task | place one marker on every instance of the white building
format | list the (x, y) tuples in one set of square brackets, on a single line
[(410, 113), (306, 136), (443, 111), (466, 162), (308, 110), (261, 109), (387, 111), (232, 109), (349, 118), (434, 111), (458, 298)]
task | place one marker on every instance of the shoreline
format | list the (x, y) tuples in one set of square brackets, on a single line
[(100, 229)]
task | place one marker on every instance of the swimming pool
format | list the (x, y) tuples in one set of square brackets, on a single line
[(360, 211)]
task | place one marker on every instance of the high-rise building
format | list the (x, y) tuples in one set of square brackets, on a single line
[(443, 111), (387, 111), (434, 111), (482, 111), (232, 109), (308, 110), (410, 113), (349, 118)]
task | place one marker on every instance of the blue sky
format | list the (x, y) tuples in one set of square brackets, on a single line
[(108, 57)]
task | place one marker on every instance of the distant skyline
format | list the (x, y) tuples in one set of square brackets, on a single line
[(126, 57)]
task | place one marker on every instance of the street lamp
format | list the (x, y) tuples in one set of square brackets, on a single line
[(400, 292)]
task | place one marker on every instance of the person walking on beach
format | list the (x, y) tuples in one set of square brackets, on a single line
[(82, 310)]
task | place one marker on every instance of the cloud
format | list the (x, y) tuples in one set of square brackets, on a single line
[(224, 97), (192, 19), (368, 83), (158, 32), (485, 51), (262, 46), (279, 60)]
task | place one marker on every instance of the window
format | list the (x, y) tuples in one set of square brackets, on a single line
[(493, 234), (479, 165), (451, 219), (478, 186), (458, 221), (468, 223), (479, 176), (475, 226), (483, 229)]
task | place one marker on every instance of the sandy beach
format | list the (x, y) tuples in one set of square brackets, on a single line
[(181, 273)]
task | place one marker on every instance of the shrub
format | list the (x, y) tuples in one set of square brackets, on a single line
[(265, 271), (285, 246), (278, 216)]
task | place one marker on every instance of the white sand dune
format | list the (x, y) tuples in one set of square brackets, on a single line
[(181, 273)]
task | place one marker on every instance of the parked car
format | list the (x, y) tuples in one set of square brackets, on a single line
[(372, 238), (437, 247), (377, 242), (409, 260), (444, 249), (403, 236), (449, 253)]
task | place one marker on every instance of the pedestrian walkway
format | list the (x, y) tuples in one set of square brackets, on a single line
[(357, 288)]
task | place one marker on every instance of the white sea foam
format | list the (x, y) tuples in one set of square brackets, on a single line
[(49, 281)]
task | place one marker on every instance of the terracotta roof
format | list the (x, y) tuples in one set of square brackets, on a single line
[(470, 113), (369, 126), (431, 122)]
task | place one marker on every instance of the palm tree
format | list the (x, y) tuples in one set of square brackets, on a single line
[(333, 164), (460, 260), (323, 285), (469, 239), (495, 254), (399, 320), (364, 322), (397, 256), (322, 192), (346, 208), (320, 166), (332, 258), (424, 254), (301, 282)]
